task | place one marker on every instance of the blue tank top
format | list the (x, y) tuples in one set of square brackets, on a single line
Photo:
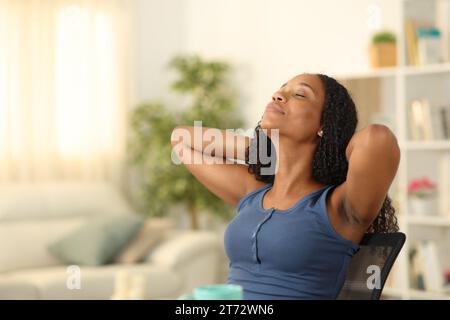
[(286, 254)]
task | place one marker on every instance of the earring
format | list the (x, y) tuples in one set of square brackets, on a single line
[(320, 133)]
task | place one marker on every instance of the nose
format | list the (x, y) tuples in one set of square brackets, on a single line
[(278, 96)]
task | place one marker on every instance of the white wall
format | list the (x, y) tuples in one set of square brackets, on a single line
[(159, 35), (267, 41)]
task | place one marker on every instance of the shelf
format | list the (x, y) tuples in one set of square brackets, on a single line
[(420, 295), (416, 82), (367, 74), (414, 294), (392, 292), (436, 221), (393, 71), (426, 145), (427, 69)]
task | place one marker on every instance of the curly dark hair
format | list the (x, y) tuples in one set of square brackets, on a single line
[(330, 166)]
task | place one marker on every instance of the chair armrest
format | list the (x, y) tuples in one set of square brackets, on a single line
[(184, 247)]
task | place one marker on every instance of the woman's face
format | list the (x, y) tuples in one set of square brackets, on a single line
[(296, 108)]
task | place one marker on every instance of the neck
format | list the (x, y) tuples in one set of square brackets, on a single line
[(294, 174)]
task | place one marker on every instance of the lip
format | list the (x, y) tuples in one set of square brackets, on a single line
[(273, 107)]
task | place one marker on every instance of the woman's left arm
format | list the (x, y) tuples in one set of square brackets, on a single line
[(373, 157)]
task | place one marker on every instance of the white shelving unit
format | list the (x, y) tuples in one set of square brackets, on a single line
[(430, 221), (397, 87)]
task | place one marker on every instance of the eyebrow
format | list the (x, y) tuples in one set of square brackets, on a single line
[(304, 84)]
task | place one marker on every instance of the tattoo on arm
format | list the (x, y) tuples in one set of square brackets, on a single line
[(349, 214)]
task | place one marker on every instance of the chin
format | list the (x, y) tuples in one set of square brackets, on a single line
[(268, 124)]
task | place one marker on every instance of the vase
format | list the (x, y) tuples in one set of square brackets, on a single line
[(423, 206), (383, 55)]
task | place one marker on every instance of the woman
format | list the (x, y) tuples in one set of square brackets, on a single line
[(296, 229)]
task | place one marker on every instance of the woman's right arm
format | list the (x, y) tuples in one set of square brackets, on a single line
[(209, 160)]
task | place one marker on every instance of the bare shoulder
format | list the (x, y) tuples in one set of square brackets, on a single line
[(254, 184)]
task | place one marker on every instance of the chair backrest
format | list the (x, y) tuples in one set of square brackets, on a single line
[(378, 252)]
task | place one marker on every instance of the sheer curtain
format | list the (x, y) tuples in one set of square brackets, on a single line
[(64, 83)]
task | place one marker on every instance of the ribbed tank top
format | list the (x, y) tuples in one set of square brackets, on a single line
[(286, 254)]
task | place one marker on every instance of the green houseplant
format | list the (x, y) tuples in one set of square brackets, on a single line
[(383, 49), (383, 37), (163, 183)]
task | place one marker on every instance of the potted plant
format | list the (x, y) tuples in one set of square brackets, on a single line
[(161, 183), (422, 193), (383, 50)]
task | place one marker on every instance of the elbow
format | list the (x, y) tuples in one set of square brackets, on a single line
[(380, 136), (380, 131)]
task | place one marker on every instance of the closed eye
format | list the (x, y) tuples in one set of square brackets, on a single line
[(299, 95)]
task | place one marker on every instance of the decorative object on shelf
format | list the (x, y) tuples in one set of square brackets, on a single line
[(412, 53), (420, 120), (426, 267), (383, 50), (428, 122), (423, 43), (429, 45), (422, 194)]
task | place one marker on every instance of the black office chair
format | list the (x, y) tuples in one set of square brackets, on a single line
[(379, 249)]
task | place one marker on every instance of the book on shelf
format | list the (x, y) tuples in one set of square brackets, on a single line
[(444, 116), (411, 42), (423, 42), (426, 269), (428, 122)]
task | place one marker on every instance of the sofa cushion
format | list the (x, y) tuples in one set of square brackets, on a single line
[(23, 244), (150, 234), (183, 246), (44, 200), (97, 282), (97, 241), (17, 290)]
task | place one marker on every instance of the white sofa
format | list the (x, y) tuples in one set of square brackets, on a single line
[(33, 216)]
